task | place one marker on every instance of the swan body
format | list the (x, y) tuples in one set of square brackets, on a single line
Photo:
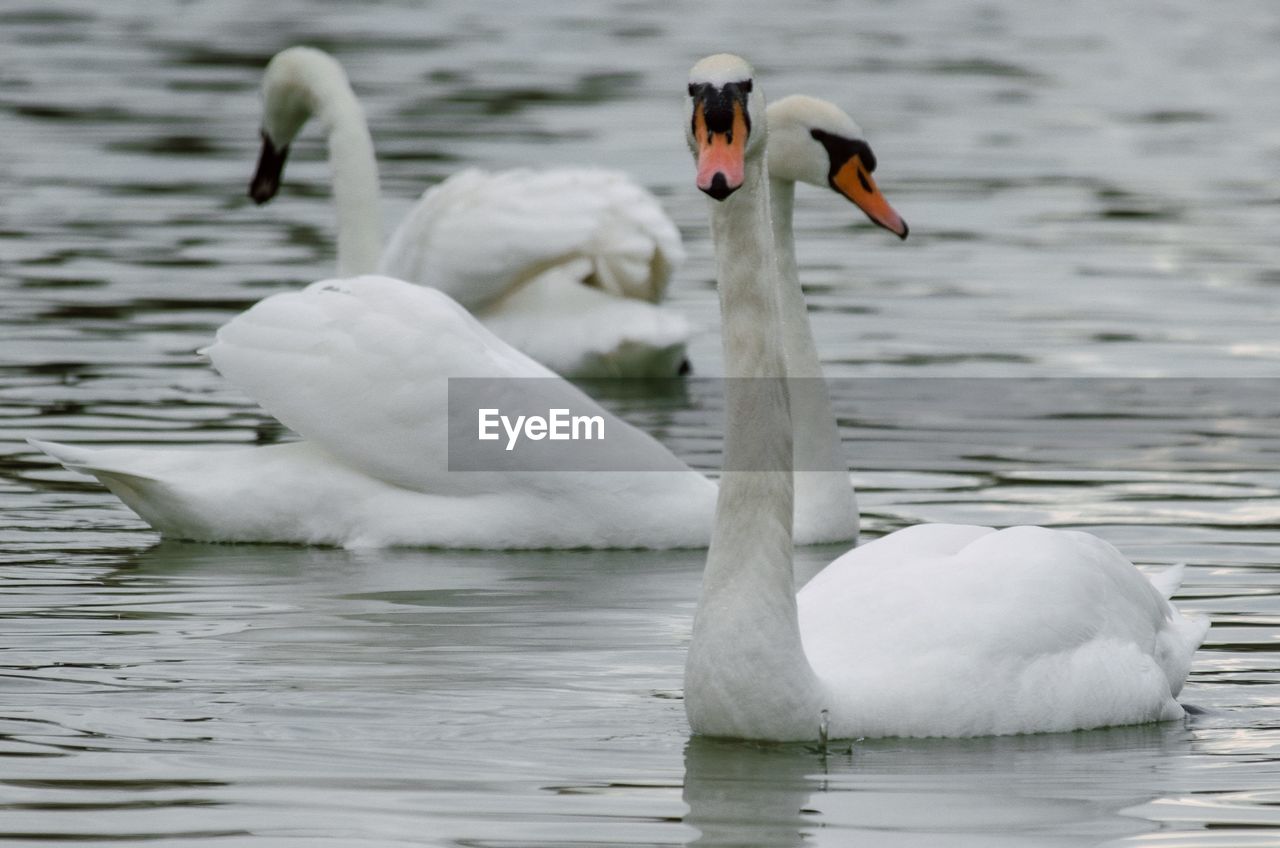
[(480, 237), (942, 630), (360, 368), (935, 630), (299, 493)]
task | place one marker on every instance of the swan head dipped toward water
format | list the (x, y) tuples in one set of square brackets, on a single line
[(301, 83), (813, 141), (298, 82), (720, 132)]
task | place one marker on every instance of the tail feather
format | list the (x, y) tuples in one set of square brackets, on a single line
[(91, 461), (1168, 581)]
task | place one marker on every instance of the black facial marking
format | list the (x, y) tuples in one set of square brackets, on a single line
[(266, 179), (719, 188), (717, 104), (862, 178), (840, 150)]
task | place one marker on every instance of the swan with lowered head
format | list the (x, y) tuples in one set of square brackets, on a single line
[(566, 264), (935, 630), (346, 484)]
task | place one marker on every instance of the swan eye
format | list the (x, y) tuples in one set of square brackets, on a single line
[(841, 149)]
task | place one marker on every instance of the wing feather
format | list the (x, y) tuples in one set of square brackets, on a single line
[(477, 236), (362, 366)]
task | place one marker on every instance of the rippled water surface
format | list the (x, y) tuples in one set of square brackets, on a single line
[(1094, 193)]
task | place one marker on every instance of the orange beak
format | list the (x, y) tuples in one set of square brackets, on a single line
[(854, 181), (721, 156)]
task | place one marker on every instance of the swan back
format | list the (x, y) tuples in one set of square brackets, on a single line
[(361, 367), (479, 236), (950, 630)]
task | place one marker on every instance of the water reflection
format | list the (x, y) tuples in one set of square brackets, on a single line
[(1018, 790), (741, 794)]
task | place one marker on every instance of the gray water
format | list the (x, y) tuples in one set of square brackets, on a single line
[(1094, 193)]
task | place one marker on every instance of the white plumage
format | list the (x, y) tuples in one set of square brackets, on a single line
[(360, 368), (565, 264), (481, 237), (947, 630), (935, 630)]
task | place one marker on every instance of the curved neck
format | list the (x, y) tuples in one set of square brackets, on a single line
[(825, 502), (747, 675), (355, 180), (782, 201)]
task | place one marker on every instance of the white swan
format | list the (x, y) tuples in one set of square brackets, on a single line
[(567, 264), (315, 492), (939, 630), (360, 369)]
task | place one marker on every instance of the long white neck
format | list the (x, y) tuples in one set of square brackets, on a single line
[(747, 675), (826, 509), (355, 179)]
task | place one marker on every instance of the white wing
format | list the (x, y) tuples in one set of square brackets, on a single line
[(953, 630), (584, 332), (361, 367), (478, 236)]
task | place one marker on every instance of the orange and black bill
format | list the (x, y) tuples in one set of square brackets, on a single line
[(266, 179), (721, 125), (851, 165)]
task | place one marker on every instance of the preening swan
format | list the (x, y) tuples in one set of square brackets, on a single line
[(567, 264), (935, 630)]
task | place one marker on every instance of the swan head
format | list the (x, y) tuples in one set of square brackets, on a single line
[(813, 141), (721, 133), (294, 87)]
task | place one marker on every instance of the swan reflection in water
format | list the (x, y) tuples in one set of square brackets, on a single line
[(1017, 790)]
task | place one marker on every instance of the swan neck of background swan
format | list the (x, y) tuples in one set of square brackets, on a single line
[(782, 199), (356, 197), (825, 501), (747, 674)]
